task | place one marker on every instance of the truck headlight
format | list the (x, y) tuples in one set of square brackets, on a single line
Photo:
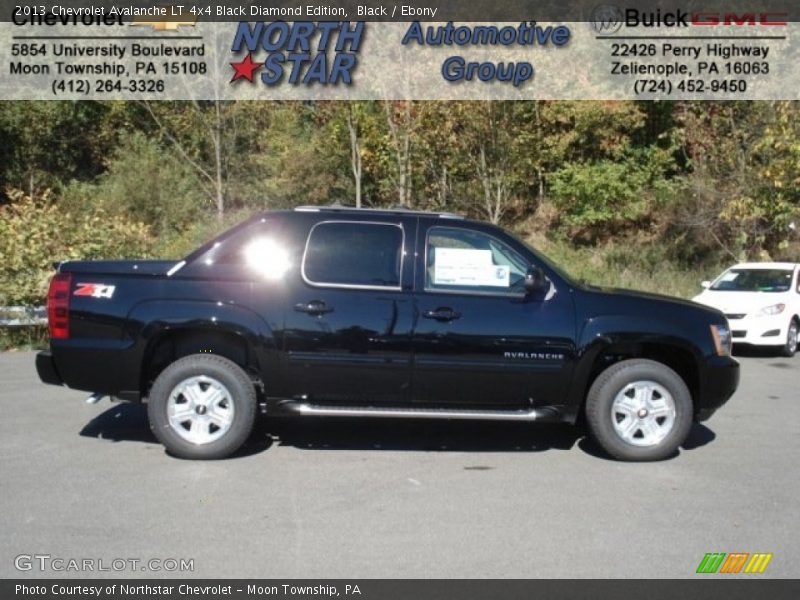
[(768, 311), (722, 339)]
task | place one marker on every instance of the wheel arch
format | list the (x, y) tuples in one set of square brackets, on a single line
[(231, 331), (172, 344), (676, 357), (599, 351)]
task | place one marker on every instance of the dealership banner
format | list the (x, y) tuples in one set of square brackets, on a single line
[(609, 49)]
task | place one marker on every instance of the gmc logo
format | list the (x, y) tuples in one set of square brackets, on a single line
[(716, 18)]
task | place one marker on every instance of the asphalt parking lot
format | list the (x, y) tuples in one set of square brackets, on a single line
[(369, 498)]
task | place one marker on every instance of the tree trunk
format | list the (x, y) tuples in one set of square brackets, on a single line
[(355, 155), (217, 138), (407, 154), (401, 142), (212, 183), (495, 192)]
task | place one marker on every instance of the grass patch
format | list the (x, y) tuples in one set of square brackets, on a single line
[(637, 267), (23, 338)]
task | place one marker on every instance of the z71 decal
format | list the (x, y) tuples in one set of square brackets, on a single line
[(95, 290)]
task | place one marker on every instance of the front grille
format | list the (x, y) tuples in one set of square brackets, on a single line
[(738, 333), (734, 316)]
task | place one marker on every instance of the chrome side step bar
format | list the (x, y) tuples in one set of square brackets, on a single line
[(304, 409), (95, 398)]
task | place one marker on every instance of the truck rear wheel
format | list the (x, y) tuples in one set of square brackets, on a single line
[(639, 410), (202, 407)]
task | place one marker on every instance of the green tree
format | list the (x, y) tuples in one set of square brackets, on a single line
[(743, 160), (145, 182), (46, 144)]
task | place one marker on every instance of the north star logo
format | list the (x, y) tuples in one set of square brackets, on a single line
[(534, 355), (95, 290), (299, 53)]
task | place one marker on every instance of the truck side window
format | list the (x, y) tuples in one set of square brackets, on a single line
[(354, 254), (469, 261)]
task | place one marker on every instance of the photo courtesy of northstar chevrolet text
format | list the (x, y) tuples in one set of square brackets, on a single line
[(379, 299)]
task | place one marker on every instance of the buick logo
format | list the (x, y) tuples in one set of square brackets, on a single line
[(606, 19)]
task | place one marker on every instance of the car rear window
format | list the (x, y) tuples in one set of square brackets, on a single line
[(754, 280), (354, 254)]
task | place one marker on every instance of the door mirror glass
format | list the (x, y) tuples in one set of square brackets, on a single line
[(536, 281)]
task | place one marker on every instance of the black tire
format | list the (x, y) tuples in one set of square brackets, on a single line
[(614, 380), (242, 395), (790, 347)]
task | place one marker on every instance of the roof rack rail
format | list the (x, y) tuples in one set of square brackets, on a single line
[(391, 210)]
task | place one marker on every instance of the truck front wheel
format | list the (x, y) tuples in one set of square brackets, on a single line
[(639, 410), (202, 407)]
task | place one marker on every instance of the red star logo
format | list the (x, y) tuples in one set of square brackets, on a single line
[(245, 69)]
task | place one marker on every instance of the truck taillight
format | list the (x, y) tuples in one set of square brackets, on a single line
[(58, 306)]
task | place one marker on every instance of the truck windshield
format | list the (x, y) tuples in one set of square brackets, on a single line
[(754, 280)]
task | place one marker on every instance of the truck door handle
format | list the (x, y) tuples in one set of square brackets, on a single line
[(442, 314), (315, 307)]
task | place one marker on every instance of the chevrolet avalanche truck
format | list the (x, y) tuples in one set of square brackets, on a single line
[(342, 312)]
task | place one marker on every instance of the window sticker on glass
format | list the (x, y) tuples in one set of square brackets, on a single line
[(458, 266)]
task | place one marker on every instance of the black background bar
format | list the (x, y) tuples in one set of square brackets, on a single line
[(456, 10)]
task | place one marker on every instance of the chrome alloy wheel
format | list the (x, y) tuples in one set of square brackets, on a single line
[(643, 413), (200, 409)]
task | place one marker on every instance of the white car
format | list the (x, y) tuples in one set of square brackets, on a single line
[(761, 302)]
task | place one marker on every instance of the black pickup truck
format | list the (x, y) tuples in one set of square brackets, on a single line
[(381, 313)]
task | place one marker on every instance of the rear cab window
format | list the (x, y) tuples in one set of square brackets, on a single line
[(354, 254)]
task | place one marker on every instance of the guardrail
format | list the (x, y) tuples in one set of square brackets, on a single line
[(14, 317)]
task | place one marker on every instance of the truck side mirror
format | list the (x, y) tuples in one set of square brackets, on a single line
[(705, 284), (535, 280)]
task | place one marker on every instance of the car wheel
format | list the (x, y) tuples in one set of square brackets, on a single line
[(790, 347), (202, 407), (639, 410)]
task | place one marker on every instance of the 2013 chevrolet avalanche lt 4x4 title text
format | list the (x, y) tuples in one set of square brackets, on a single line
[(381, 313)]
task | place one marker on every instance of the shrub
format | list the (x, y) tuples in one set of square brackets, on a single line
[(616, 193), (146, 183), (34, 233)]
